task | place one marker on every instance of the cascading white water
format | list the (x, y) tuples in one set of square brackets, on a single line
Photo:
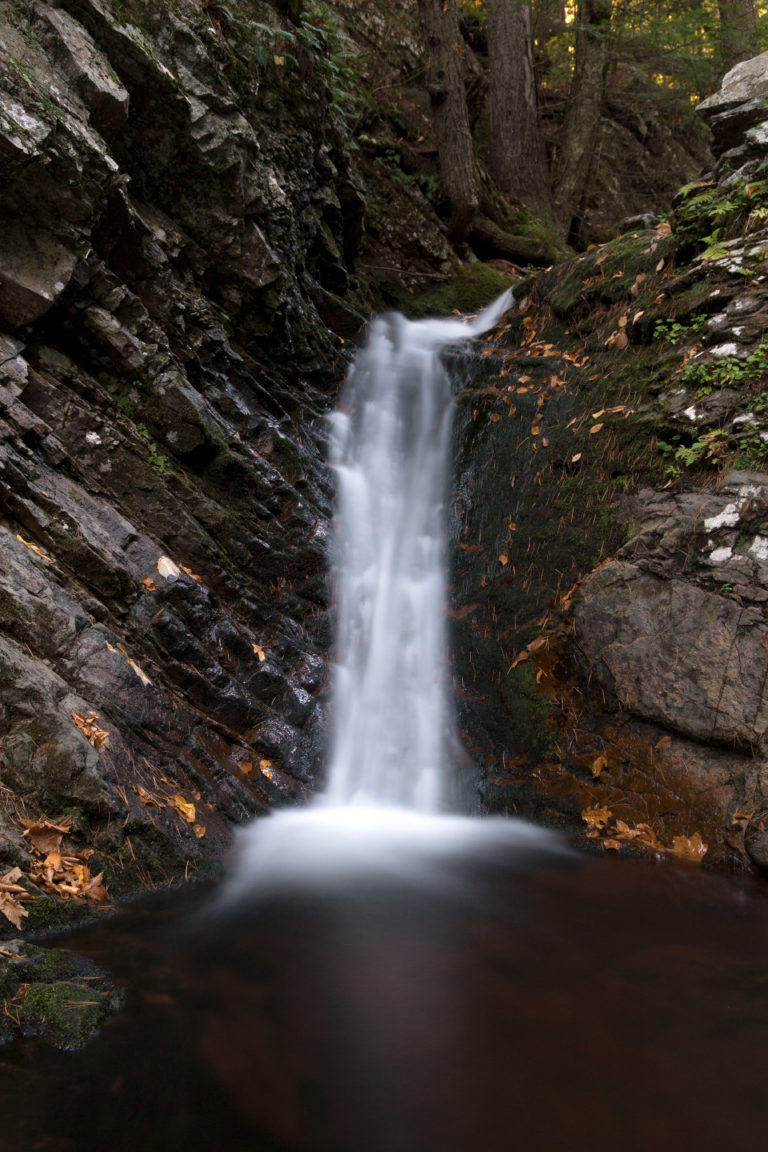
[(392, 719), (390, 445)]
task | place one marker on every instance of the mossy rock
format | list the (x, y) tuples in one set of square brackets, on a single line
[(475, 286), (64, 1013), (54, 994)]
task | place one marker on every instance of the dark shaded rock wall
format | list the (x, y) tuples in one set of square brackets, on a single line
[(168, 226)]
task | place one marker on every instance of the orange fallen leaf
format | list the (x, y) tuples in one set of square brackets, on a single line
[(37, 551), (148, 798), (598, 764), (199, 830), (259, 652), (184, 808), (148, 584), (495, 417), (98, 738), (690, 848), (596, 817), (595, 428), (191, 574), (503, 559)]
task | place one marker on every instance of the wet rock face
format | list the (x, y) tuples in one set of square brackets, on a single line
[(164, 501)]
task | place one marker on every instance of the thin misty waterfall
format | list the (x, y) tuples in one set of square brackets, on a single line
[(384, 810), (390, 443)]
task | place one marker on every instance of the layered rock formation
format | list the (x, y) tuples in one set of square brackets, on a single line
[(170, 228)]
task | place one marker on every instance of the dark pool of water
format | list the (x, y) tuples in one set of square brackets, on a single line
[(560, 1004)]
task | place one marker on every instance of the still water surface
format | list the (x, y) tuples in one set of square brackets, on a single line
[(531, 1002)]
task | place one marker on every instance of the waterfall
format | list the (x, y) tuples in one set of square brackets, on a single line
[(390, 443), (382, 814)]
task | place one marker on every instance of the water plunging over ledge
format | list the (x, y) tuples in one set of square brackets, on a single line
[(390, 445), (384, 811)]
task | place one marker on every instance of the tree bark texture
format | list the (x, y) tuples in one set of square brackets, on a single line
[(517, 156), (444, 50), (737, 39), (582, 121)]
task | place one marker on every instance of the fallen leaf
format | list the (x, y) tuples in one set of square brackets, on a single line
[(11, 908), (611, 845), (595, 428), (259, 652), (139, 671), (598, 764), (199, 830), (191, 574), (37, 551), (98, 738), (495, 417), (148, 584), (147, 797), (660, 265), (622, 340), (45, 836), (690, 848), (168, 569), (596, 817), (246, 767), (184, 808), (503, 559), (575, 459)]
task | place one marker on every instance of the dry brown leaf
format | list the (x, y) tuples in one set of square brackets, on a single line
[(595, 428), (521, 656), (11, 908), (575, 458), (596, 817), (148, 798), (246, 767), (191, 574), (503, 559), (598, 764), (97, 737), (495, 417), (139, 672), (184, 808), (37, 551), (199, 830), (44, 836), (622, 340), (148, 584), (259, 652), (611, 844), (690, 848)]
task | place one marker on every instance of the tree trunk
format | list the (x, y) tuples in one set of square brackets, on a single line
[(445, 83), (582, 121), (737, 39), (517, 157)]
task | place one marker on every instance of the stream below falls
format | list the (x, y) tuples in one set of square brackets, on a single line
[(537, 1001)]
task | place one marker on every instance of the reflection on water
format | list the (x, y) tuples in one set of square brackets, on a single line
[(557, 1003)]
